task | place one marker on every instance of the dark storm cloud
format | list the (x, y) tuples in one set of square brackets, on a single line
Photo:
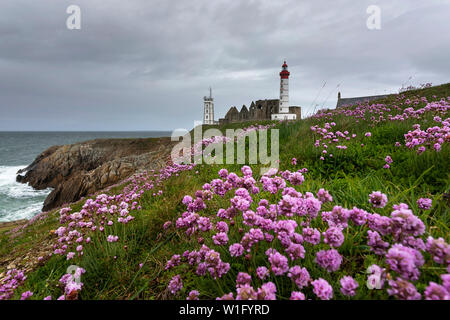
[(143, 65)]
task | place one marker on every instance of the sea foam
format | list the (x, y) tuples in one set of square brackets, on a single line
[(18, 200)]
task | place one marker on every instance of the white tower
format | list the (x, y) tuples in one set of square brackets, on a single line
[(284, 97), (208, 109), (284, 89)]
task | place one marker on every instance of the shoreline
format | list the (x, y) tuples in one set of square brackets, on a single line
[(18, 221)]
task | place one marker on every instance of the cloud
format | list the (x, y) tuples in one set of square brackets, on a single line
[(145, 65)]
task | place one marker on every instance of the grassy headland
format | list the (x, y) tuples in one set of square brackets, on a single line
[(134, 266)]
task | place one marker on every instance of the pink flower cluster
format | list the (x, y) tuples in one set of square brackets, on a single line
[(403, 109), (99, 215), (204, 260), (13, 279), (282, 232), (424, 203), (432, 137), (378, 199), (388, 161), (72, 284), (327, 137)]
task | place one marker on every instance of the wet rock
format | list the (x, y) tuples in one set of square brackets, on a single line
[(77, 170)]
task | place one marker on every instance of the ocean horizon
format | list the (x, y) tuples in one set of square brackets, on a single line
[(18, 149)]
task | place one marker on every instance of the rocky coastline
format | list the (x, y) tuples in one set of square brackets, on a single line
[(78, 170)]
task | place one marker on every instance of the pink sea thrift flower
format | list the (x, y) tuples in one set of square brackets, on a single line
[(173, 262), (421, 150), (439, 249), (220, 238), (405, 261), (348, 286), (403, 290), (311, 235), (437, 147), (330, 260), (246, 170), (324, 196), (246, 293), (376, 242), (227, 296), (262, 272), (279, 263), (424, 203), (435, 291), (112, 238), (322, 289), (446, 281), (296, 178), (297, 295), (267, 292), (404, 222), (175, 284), (334, 237), (338, 217), (187, 200), (193, 295), (358, 216), (236, 250), (26, 295), (243, 279), (378, 199), (300, 276), (222, 226)]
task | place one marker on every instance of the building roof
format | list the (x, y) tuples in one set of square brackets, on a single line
[(356, 100), (233, 110)]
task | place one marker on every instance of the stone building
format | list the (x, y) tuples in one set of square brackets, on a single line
[(341, 102), (268, 109)]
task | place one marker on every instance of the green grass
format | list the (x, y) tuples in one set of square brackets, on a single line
[(113, 272)]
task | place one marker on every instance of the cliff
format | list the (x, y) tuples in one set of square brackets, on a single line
[(78, 170)]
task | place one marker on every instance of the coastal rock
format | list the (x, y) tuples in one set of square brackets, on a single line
[(81, 169)]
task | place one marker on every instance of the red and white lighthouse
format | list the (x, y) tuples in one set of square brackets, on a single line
[(284, 89), (283, 112)]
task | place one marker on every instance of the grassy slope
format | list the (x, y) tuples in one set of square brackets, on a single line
[(349, 176)]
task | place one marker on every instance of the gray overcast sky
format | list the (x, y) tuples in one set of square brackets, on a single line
[(146, 64)]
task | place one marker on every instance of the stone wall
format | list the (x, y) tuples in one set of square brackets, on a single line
[(341, 102), (259, 110), (297, 110)]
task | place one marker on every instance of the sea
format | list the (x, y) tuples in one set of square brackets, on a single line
[(19, 149)]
